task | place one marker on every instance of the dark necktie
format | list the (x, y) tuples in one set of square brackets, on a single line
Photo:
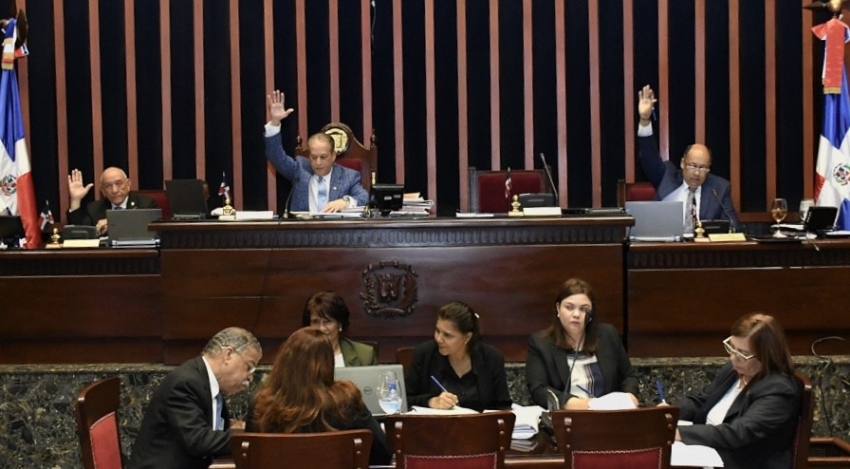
[(691, 210), (219, 404), (117, 207)]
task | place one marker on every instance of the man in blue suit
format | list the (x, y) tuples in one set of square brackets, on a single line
[(318, 184), (711, 195)]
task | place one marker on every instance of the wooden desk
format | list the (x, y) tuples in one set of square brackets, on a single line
[(80, 306), (393, 274), (683, 297)]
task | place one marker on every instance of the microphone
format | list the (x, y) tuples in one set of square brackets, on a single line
[(732, 225), (289, 198), (551, 181)]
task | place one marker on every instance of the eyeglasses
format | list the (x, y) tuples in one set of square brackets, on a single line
[(731, 350), (251, 367), (695, 168), (116, 185)]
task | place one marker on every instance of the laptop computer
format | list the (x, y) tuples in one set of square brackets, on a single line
[(820, 219), (366, 379), (656, 220), (186, 199), (129, 228)]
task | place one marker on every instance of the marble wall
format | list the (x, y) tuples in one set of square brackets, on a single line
[(37, 427)]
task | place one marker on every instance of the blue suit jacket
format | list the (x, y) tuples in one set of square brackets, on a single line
[(344, 181), (667, 177)]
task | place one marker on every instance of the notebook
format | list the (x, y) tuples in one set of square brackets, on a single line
[(656, 221), (129, 228), (366, 379), (186, 199)]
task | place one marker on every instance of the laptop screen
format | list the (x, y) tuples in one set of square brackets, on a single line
[(656, 221), (130, 227), (186, 198), (366, 379)]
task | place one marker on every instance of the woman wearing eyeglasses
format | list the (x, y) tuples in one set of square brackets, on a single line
[(749, 412), (301, 396), (578, 358)]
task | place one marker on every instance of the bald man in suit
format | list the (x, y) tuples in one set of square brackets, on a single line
[(115, 187)]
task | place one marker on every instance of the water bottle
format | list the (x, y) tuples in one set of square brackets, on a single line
[(389, 397)]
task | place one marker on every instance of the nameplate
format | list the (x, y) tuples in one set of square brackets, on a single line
[(542, 211), (726, 237), (81, 243)]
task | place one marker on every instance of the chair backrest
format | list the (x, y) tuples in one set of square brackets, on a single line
[(328, 450), (97, 424), (804, 425), (633, 439), (403, 356), (469, 441), (487, 188), (350, 152), (161, 199), (628, 191)]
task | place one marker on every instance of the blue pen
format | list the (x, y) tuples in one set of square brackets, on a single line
[(440, 385), (585, 390), (660, 391)]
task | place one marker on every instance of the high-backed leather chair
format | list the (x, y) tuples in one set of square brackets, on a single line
[(328, 450), (628, 191), (97, 424), (598, 439), (470, 441), (487, 188), (350, 152), (161, 199), (404, 355), (804, 425)]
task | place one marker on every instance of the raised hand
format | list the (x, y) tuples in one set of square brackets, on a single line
[(76, 189), (277, 110), (646, 103)]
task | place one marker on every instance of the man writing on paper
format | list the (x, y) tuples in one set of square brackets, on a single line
[(704, 195), (318, 184), (115, 187)]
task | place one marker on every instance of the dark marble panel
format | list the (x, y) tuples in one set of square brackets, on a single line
[(37, 425)]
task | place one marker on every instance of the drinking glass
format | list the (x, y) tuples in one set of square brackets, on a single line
[(778, 210), (805, 205), (389, 397)]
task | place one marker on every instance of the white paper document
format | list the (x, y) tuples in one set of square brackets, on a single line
[(429, 411), (612, 401), (694, 456), (527, 421)]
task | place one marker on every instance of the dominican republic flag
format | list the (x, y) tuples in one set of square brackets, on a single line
[(832, 181), (46, 216), (17, 192), (508, 186), (224, 189)]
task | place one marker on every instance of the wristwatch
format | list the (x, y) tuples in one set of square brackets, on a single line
[(347, 199)]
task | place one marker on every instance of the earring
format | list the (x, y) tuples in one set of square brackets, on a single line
[(340, 328)]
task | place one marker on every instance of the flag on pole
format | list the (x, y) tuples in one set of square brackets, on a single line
[(832, 178), (46, 216), (224, 189), (17, 191), (508, 185)]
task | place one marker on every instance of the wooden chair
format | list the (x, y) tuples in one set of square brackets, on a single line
[(97, 424), (404, 355), (350, 152), (469, 441), (631, 439), (161, 199), (328, 450), (627, 191), (487, 188), (804, 425)]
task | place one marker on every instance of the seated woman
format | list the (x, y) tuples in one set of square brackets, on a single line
[(300, 395), (577, 358), (456, 368), (749, 412), (327, 311)]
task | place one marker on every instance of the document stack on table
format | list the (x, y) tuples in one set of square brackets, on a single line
[(527, 421), (414, 205)]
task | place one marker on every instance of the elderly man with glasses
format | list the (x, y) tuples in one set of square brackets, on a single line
[(115, 187), (705, 196)]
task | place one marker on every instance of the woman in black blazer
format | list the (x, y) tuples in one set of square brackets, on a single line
[(456, 368), (577, 358)]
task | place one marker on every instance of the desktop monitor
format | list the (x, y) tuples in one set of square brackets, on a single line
[(386, 198)]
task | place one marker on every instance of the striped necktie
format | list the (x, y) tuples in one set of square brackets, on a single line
[(219, 404), (322, 198), (691, 210)]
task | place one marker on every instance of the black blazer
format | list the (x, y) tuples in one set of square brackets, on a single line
[(176, 430), (546, 367), (758, 430), (488, 364), (96, 210)]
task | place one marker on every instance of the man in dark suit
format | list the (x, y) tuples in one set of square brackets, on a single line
[(710, 195), (115, 187), (318, 184), (186, 423)]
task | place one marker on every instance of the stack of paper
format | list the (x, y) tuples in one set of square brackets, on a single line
[(694, 456), (527, 421), (456, 410), (416, 206), (612, 401)]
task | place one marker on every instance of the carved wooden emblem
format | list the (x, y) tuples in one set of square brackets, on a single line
[(390, 289)]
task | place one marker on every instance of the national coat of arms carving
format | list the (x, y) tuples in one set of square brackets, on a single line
[(390, 289)]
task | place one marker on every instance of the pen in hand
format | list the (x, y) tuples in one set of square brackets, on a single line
[(590, 394), (434, 379), (660, 391)]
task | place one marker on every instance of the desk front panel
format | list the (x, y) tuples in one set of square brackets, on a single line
[(683, 298)]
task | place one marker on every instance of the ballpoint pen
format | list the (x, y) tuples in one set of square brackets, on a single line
[(585, 391), (434, 379), (660, 391)]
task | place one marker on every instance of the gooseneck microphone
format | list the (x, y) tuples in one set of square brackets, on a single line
[(288, 201), (732, 225), (551, 181)]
